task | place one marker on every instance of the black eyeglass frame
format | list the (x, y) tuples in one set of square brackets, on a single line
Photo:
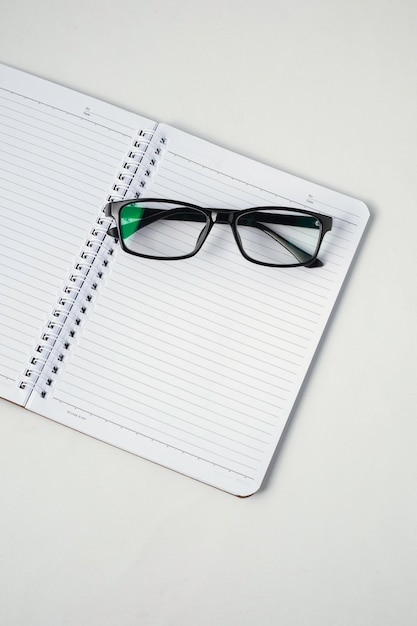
[(227, 216)]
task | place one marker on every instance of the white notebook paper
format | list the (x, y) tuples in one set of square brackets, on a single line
[(193, 364)]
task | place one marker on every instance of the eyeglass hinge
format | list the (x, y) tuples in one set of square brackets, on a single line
[(112, 232)]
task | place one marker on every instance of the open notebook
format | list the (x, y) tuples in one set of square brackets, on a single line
[(193, 364)]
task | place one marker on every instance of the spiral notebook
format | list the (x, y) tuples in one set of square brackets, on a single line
[(193, 364)]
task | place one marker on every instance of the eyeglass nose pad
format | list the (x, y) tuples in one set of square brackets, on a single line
[(203, 234)]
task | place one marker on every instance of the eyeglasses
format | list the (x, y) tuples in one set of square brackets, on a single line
[(170, 230)]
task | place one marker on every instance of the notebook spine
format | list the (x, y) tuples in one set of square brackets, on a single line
[(89, 269)]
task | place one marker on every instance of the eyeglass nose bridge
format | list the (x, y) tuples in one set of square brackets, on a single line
[(222, 216), (216, 216)]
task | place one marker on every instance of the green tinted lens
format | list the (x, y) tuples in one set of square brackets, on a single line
[(130, 219), (161, 230)]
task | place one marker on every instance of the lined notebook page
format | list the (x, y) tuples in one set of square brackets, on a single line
[(196, 364), (59, 153)]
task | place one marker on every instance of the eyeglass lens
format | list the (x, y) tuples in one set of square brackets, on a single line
[(169, 232), (279, 237)]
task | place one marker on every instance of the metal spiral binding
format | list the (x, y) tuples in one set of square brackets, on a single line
[(143, 157), (83, 281)]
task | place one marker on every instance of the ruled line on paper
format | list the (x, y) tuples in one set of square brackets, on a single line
[(92, 115), (168, 440), (180, 384), (6, 376), (282, 366), (49, 155), (11, 357), (187, 445), (45, 205), (26, 171), (257, 363), (209, 314), (19, 341), (31, 267), (34, 138), (216, 419), (54, 138), (24, 300), (40, 237), (192, 432), (37, 240), (64, 187), (61, 221), (33, 260), (52, 158), (34, 113), (118, 426), (11, 354), (16, 324), (225, 180), (202, 419), (79, 207), (16, 285), (209, 368), (215, 270), (244, 416), (218, 177), (115, 125)]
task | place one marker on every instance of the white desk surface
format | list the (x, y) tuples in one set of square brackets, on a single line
[(90, 535)]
